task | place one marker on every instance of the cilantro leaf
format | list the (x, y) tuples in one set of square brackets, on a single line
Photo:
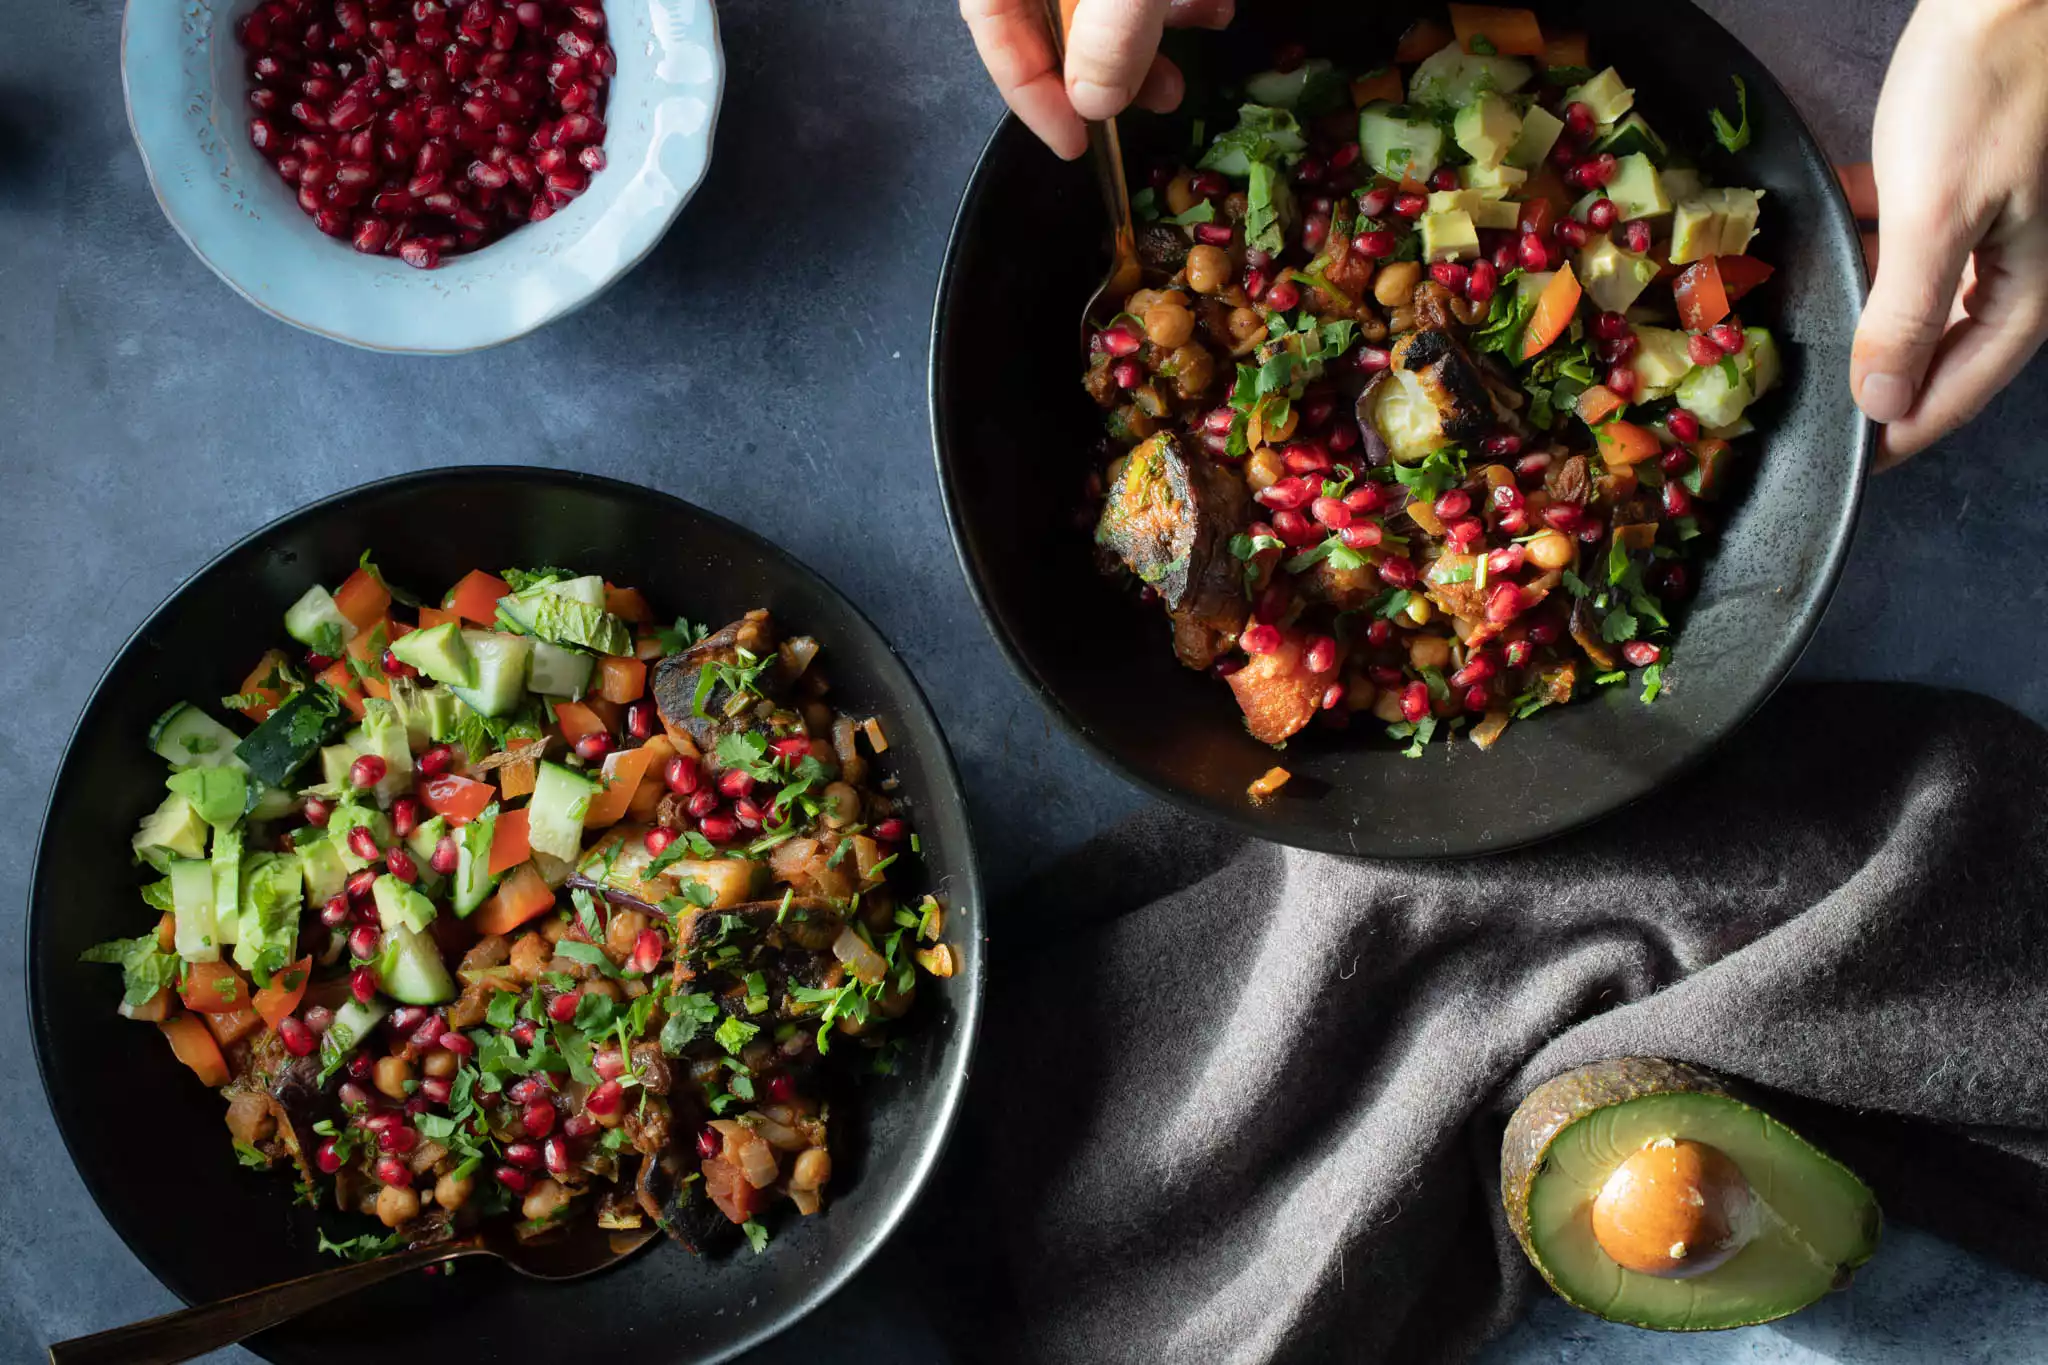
[(735, 1033), (687, 1017), (1204, 212), (757, 1236), (1653, 682), (674, 639), (367, 1247), (145, 968), (1733, 136)]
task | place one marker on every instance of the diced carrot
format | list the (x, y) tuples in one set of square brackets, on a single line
[(194, 1046), (509, 845), (475, 598), (1536, 215), (460, 799), (521, 896), (1383, 84), (214, 988), (1554, 309), (609, 714), (517, 777), (362, 599), (1423, 37), (167, 932), (577, 720), (367, 649), (621, 680), (623, 770), (1599, 403), (1625, 443), (232, 1026), (337, 676), (253, 684), (1513, 32), (1711, 458), (284, 992), (653, 784), (627, 604), (1637, 535), (1740, 274), (1702, 300), (1566, 49), (438, 616), (154, 1010), (1268, 783)]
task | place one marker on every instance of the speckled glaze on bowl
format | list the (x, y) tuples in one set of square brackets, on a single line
[(187, 86), (1013, 435)]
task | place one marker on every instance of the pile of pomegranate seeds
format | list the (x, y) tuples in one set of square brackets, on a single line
[(420, 128)]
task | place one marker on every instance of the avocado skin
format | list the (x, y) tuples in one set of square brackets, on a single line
[(1565, 1099)]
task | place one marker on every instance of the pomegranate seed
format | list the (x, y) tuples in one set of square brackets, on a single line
[(1315, 231), (682, 775), (750, 813), (398, 1139), (1482, 283), (1506, 497), (457, 1043), (420, 254), (362, 885), (1682, 425), (609, 1064), (1373, 359), (1641, 653), (1366, 499), (1321, 656), (1259, 638), (1126, 373), (1383, 676), (1331, 512), (363, 941), (562, 1008), (1380, 632), (405, 816), (394, 1172), (362, 982), (1601, 214), (1610, 326), (1464, 535), (719, 829), (436, 1089), (1670, 579), (1594, 171), (735, 782), (1209, 184), (1727, 338), (1479, 668), (399, 864), (1508, 559), (1564, 154), (604, 1098), (703, 803), (640, 718), (1453, 504), (1212, 234), (1622, 379), (1410, 205), (592, 748), (327, 1157), (1578, 119), (1501, 445), (1563, 516), (334, 914), (1572, 233), (363, 844), (658, 839), (538, 1117), (1283, 296), (366, 771), (1677, 501), (524, 1032), (296, 1037), (1477, 698), (513, 1179), (1450, 275), (1117, 341), (1532, 466), (1635, 236), (1444, 180), (447, 857), (1344, 156), (1295, 529), (646, 952), (1415, 701), (1702, 351), (525, 1155), (1361, 535), (1397, 573), (709, 1142), (1534, 255), (1675, 461), (371, 235), (1375, 202), (555, 1152), (1342, 438)]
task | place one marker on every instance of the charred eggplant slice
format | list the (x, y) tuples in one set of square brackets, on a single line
[(713, 687), (1170, 519), (1434, 396)]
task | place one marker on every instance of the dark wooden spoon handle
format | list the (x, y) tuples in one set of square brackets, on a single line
[(195, 1331)]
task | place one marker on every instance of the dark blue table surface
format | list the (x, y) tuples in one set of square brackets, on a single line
[(148, 417)]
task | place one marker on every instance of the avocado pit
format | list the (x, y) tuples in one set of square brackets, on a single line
[(1674, 1209)]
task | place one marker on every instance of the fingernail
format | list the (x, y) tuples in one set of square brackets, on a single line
[(1885, 397), (1093, 100)]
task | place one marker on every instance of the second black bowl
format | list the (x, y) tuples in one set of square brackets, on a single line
[(1014, 436)]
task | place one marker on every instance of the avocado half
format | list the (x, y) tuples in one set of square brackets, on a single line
[(1814, 1220)]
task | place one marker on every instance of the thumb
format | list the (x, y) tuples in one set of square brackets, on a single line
[(1110, 46), (1919, 269)]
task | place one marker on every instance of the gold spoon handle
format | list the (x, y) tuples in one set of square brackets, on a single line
[(195, 1331), (1105, 151)]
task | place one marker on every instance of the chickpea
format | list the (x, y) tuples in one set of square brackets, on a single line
[(812, 1169), (1429, 651), (603, 986), (624, 930), (544, 1200), (1264, 469), (1402, 319), (397, 1205), (1247, 329), (1208, 269), (1551, 551), (391, 1075), (1194, 368), (841, 805), (1387, 706), (553, 927), (1180, 193), (452, 1191), (1395, 284), (1146, 299), (1169, 325), (439, 1063), (530, 956)]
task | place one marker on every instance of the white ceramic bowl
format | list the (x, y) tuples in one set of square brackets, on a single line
[(187, 86)]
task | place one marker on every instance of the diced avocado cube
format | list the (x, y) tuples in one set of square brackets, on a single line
[(1738, 209), (1760, 355), (1397, 147), (273, 803), (438, 652), (1636, 189), (1681, 182), (1492, 182), (1660, 361), (1711, 394), (1605, 95), (1611, 276), (1486, 128), (1449, 236), (335, 761), (1284, 89), (557, 672), (346, 817), (1455, 77), (1540, 129), (315, 622), (385, 735), (326, 876), (1631, 135), (194, 934), (173, 830), (271, 898), (500, 670), (218, 794), (444, 714), (1484, 212), (399, 904), (1695, 232)]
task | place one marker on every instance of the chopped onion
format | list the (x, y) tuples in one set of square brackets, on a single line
[(797, 653), (777, 1134), (937, 959), (877, 741), (861, 959)]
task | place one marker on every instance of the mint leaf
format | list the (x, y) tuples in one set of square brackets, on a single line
[(1733, 136)]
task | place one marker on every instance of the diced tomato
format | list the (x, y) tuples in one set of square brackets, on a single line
[(1276, 692), (362, 599), (1702, 301), (621, 680), (194, 1045), (1625, 443), (1513, 32), (438, 616), (1554, 309), (460, 799), (475, 598), (214, 988), (623, 770), (653, 784), (253, 684), (1423, 37), (1599, 403), (232, 1026), (284, 992), (521, 896), (729, 1188), (1384, 84), (627, 604), (367, 649), (516, 778), (1566, 49), (338, 677), (509, 844), (577, 720), (1537, 215), (1740, 274)]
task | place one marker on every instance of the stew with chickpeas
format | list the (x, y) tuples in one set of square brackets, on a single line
[(527, 906), (1431, 383)]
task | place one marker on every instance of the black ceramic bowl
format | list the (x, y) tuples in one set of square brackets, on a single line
[(1014, 436), (150, 1143)]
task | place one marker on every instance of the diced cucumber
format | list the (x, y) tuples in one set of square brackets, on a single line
[(314, 621), (1632, 135), (557, 672), (555, 813), (1453, 77), (1761, 358), (271, 900), (290, 736), (1711, 395), (1284, 89), (353, 1021), (173, 830), (500, 671), (227, 884), (326, 876), (195, 936), (384, 731), (188, 737), (473, 876), (1396, 146), (400, 905), (273, 803), (411, 971)]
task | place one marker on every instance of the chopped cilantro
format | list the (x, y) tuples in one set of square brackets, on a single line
[(367, 1247), (250, 1157), (1733, 136), (1653, 682), (757, 1236), (674, 639), (688, 1015), (734, 1034)]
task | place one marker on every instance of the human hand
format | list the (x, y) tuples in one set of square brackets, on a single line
[(1960, 151), (1112, 59)]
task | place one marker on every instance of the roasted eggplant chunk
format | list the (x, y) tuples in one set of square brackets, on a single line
[(729, 672), (1170, 519), (1435, 397)]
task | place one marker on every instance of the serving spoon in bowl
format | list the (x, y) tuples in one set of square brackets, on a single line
[(1106, 152), (193, 1332)]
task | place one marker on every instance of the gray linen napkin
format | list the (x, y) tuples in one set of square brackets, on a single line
[(1241, 1103)]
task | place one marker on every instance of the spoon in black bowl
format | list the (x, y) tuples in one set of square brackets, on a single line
[(1107, 154), (193, 1332)]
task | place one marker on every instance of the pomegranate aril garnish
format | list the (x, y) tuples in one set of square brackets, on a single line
[(1482, 282), (327, 1156), (1727, 338), (1677, 500), (1321, 655), (1533, 254), (1571, 233), (296, 1037), (513, 1179), (371, 235), (366, 771), (436, 1089), (1702, 351), (1398, 573), (1636, 236), (1641, 653), (1450, 275), (399, 863), (1600, 214), (1415, 701), (362, 984), (646, 952), (334, 914), (363, 941), (1501, 445), (1453, 504), (1259, 638), (1622, 379), (392, 1171), (605, 1098), (1682, 425)]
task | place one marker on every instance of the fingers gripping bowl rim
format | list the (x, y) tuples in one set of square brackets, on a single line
[(1011, 489), (208, 1228)]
